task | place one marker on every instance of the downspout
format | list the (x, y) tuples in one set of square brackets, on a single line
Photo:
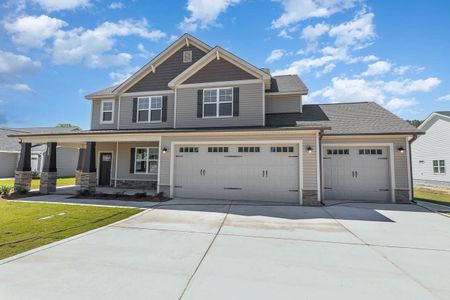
[(320, 167), (410, 167)]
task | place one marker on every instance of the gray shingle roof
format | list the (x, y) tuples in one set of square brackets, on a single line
[(12, 144), (345, 119), (103, 92), (445, 113), (286, 84)]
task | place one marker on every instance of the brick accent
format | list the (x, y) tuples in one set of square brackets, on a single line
[(77, 177), (402, 196), (48, 182), (22, 181), (88, 182), (136, 184), (310, 198)]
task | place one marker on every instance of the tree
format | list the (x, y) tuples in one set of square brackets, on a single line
[(415, 123), (67, 125)]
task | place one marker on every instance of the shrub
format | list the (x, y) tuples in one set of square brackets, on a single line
[(5, 190), (35, 175)]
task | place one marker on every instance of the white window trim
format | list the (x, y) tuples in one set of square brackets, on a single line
[(150, 109), (102, 111), (147, 160), (439, 166), (217, 116)]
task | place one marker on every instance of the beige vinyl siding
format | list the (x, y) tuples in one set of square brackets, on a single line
[(126, 114), (95, 115), (400, 159), (309, 159), (283, 103), (250, 108)]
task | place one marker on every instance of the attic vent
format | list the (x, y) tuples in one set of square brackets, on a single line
[(187, 56)]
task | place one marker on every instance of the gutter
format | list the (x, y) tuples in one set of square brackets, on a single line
[(320, 167), (410, 166)]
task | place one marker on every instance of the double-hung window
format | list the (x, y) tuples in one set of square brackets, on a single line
[(146, 160), (107, 111), (218, 103), (149, 109), (439, 166)]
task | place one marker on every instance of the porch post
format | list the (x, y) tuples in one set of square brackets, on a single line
[(88, 175), (22, 176), (81, 152), (49, 172)]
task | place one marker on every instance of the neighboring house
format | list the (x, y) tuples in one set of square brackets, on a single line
[(200, 122), (431, 152), (67, 158)]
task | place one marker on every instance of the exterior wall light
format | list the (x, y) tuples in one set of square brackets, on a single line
[(401, 150), (309, 149), (164, 150)]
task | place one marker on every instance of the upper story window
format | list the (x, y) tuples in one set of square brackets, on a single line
[(187, 56), (107, 112), (218, 103), (149, 109), (439, 166)]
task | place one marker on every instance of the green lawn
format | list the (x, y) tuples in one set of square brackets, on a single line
[(24, 226), (64, 181), (431, 195)]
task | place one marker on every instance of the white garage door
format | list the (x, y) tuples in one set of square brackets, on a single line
[(356, 173), (237, 172)]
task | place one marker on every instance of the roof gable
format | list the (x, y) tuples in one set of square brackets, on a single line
[(430, 120)]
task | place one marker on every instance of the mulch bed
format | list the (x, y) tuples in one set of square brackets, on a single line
[(138, 197)]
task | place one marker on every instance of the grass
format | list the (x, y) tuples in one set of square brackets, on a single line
[(431, 195), (24, 226), (63, 181)]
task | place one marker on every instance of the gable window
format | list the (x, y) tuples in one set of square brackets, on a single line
[(187, 56), (146, 160), (439, 166), (149, 109), (107, 111), (218, 103)]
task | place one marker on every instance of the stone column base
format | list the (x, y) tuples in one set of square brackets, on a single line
[(77, 177), (88, 182), (48, 182), (22, 182)]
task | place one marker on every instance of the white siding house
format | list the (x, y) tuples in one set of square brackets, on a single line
[(431, 152)]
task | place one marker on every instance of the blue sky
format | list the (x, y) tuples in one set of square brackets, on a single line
[(52, 52)]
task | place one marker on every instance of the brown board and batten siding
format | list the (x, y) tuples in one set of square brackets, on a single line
[(309, 159), (219, 70), (126, 114), (283, 103), (250, 108), (167, 71), (95, 115)]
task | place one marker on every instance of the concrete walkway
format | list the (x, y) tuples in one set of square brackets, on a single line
[(192, 249)]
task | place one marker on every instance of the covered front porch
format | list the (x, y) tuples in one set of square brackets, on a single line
[(111, 164)]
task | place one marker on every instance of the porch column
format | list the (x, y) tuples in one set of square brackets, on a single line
[(81, 152), (22, 176), (88, 175), (49, 174)]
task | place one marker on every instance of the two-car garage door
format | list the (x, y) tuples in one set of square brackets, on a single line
[(239, 172)]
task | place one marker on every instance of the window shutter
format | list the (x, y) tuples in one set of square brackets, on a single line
[(132, 156), (134, 110), (164, 109), (235, 102), (200, 104)]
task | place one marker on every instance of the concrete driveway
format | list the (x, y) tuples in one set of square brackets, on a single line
[(188, 249)]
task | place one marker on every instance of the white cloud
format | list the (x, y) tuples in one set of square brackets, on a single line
[(369, 58), (444, 98), (13, 65), (275, 55), (102, 61), (312, 33), (299, 10), (351, 90), (402, 70), (79, 44), (328, 68), (356, 34), (22, 87), (407, 86), (33, 31), (377, 68), (204, 13), (398, 104), (56, 5), (116, 5), (144, 52)]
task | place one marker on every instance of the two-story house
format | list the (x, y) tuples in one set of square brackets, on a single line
[(200, 122)]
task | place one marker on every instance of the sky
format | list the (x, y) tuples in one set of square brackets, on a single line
[(53, 53)]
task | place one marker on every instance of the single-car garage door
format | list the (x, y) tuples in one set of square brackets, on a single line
[(237, 172), (356, 173)]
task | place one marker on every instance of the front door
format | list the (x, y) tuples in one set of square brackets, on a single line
[(105, 169)]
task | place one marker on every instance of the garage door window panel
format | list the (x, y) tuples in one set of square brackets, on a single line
[(146, 160), (218, 103)]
